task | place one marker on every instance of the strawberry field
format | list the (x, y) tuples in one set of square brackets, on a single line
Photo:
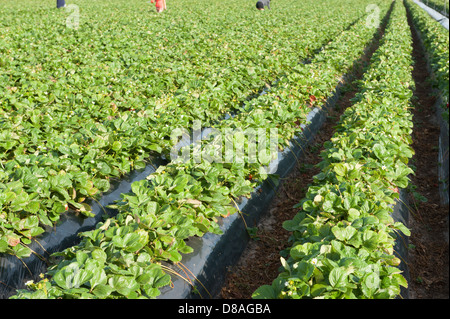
[(93, 94)]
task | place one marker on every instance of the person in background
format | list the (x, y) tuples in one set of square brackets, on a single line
[(262, 3), (60, 3), (160, 5)]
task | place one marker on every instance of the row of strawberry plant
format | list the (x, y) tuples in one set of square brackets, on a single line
[(286, 105), (67, 128), (180, 200), (241, 55), (436, 43), (343, 236)]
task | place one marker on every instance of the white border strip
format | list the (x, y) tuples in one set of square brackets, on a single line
[(443, 20)]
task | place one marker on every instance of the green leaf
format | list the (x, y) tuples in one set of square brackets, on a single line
[(151, 292), (353, 214), (159, 277), (104, 168), (152, 207), (21, 251), (72, 276), (98, 277), (380, 151), (304, 270), (175, 256), (3, 245), (400, 280), (370, 239), (81, 258), (327, 206), (180, 183), (308, 206), (116, 146), (318, 289), (102, 291), (340, 169), (139, 165), (370, 284), (100, 255), (298, 252), (343, 234), (33, 207), (338, 278), (285, 264), (124, 285), (20, 202), (400, 226), (294, 224), (264, 292)]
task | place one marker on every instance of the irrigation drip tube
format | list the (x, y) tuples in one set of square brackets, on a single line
[(443, 20)]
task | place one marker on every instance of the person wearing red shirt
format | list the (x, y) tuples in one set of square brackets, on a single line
[(160, 5)]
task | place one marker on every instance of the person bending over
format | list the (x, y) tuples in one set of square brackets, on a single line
[(262, 3)]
